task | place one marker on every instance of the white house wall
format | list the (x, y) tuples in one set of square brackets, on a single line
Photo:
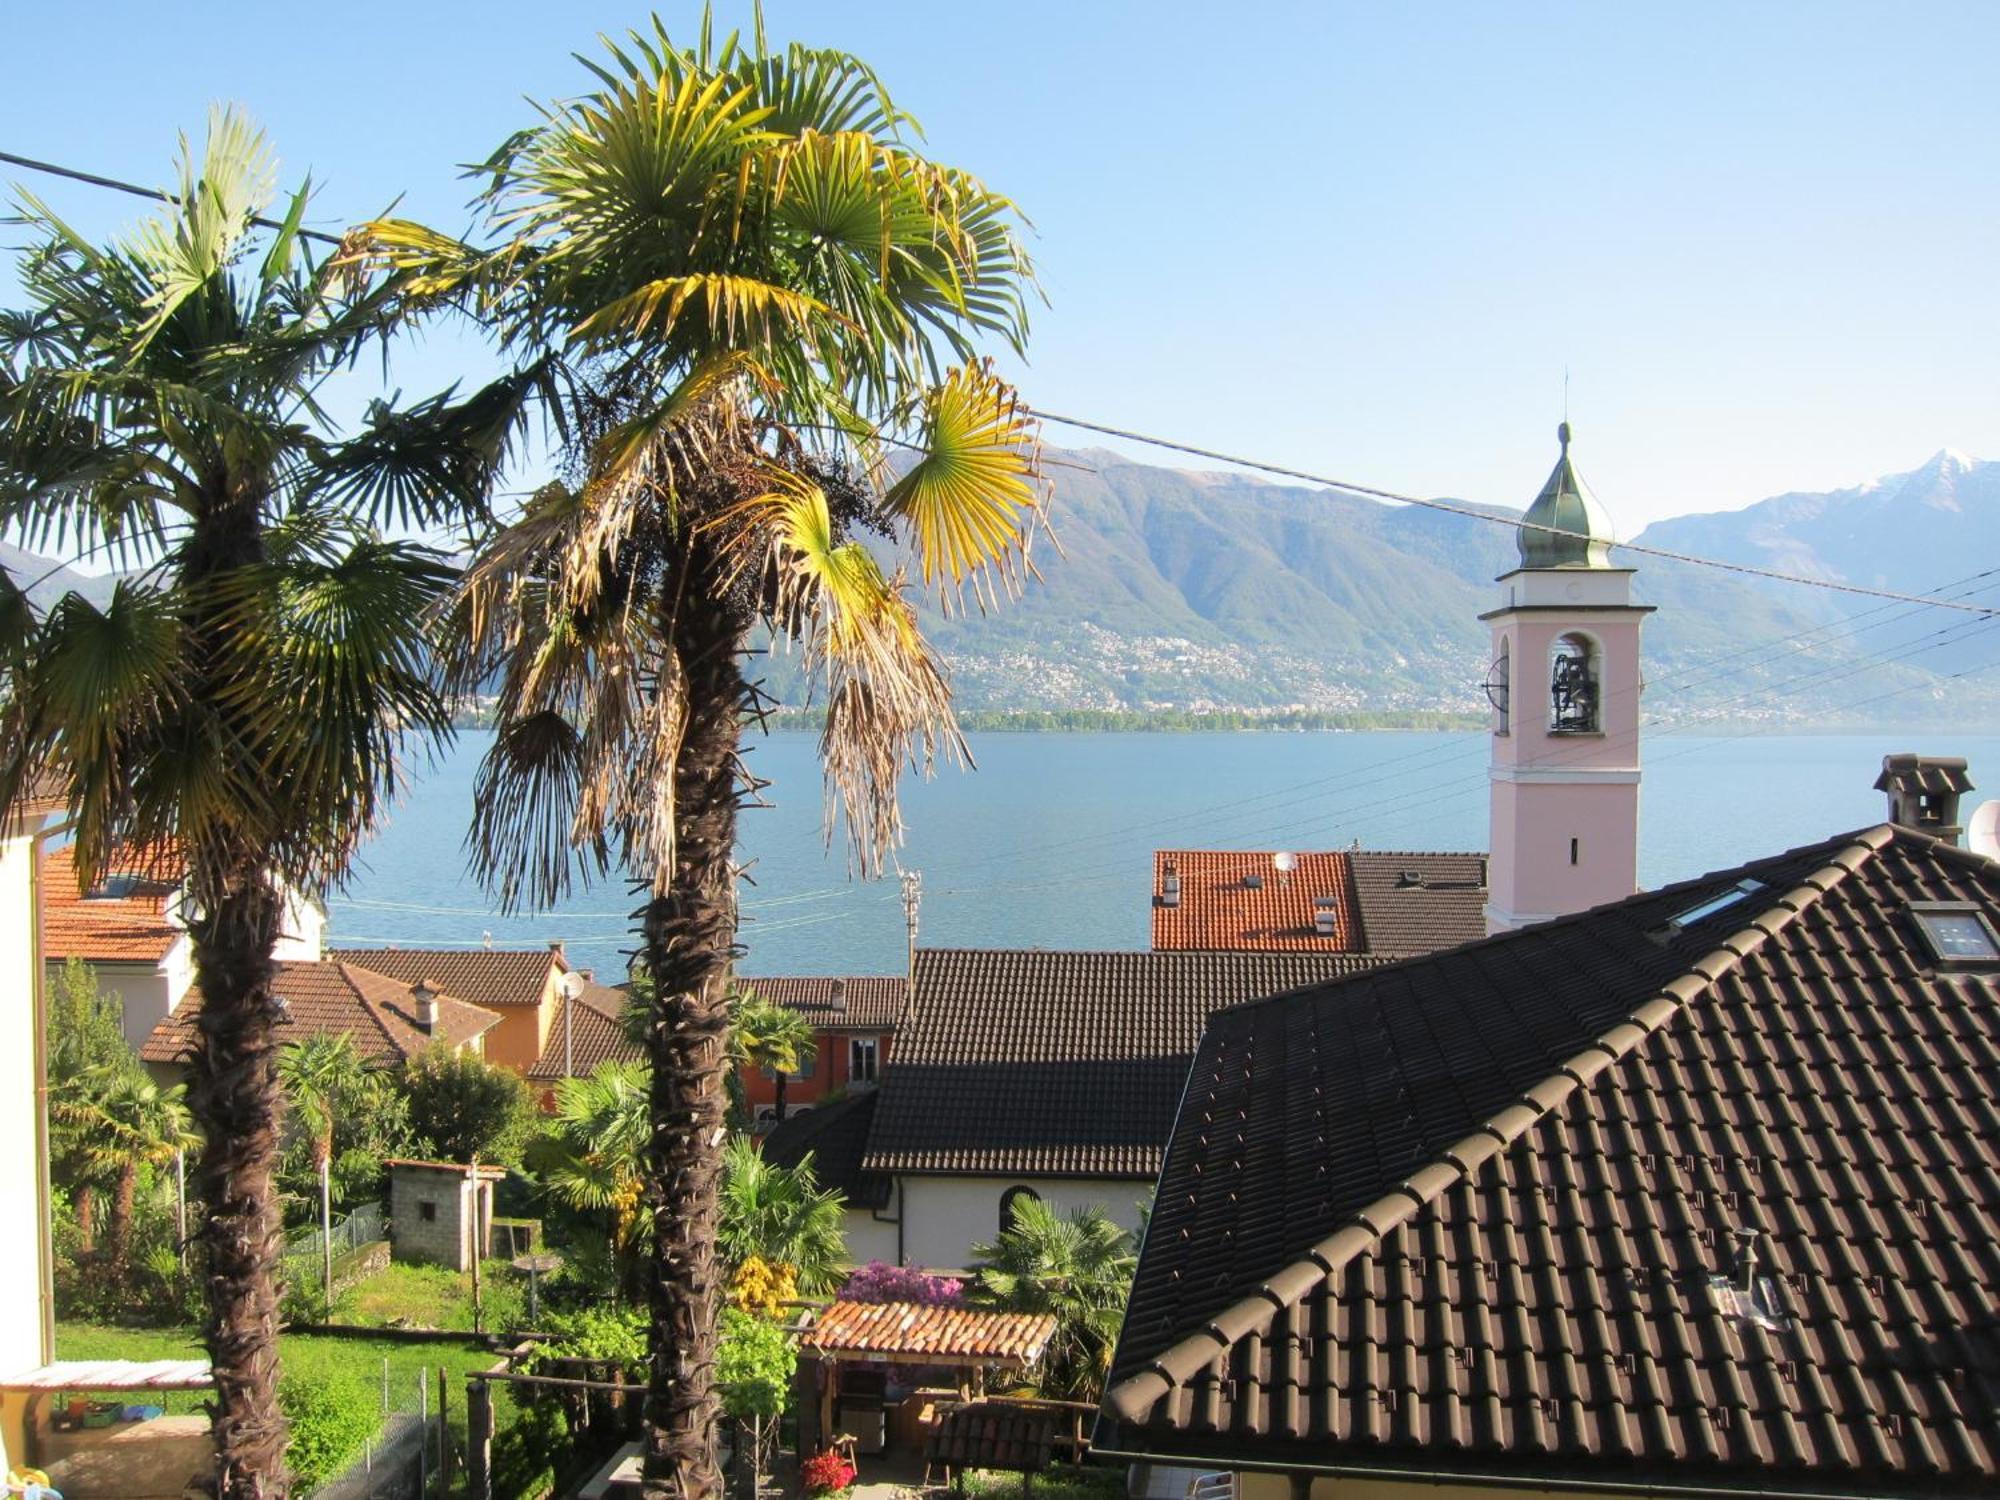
[(21, 1281), (944, 1217), (147, 993), (868, 1238), (302, 939)]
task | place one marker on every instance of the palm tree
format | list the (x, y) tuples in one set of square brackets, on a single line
[(781, 1215), (751, 291), (764, 1034), (125, 1122), (1077, 1266), (602, 1123), (320, 1074), (239, 705)]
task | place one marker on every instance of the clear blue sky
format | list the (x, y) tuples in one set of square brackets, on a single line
[(1359, 238)]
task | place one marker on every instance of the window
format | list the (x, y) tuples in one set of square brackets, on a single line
[(808, 1063), (1958, 934), (1010, 1204), (862, 1060), (1573, 686), (427, 1211), (1719, 902)]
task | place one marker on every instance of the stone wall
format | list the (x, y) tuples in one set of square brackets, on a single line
[(430, 1214)]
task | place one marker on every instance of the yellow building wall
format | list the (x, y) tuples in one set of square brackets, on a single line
[(523, 1031), (21, 1157)]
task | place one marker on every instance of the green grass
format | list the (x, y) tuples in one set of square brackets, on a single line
[(1064, 1482), (433, 1297), (305, 1354)]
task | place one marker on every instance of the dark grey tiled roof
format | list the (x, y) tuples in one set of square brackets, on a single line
[(1058, 1063), (835, 1136), (1464, 1214), (867, 1002), (1413, 904), (584, 1039)]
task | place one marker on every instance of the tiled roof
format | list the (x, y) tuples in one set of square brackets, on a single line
[(1412, 904), (1058, 1063), (134, 927), (588, 1037), (1239, 899), (1930, 774), (971, 1334), (377, 1011), (492, 977), (836, 1137), (872, 1002), (1464, 1215)]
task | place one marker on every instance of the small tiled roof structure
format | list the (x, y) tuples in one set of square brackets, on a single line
[(380, 1013), (1485, 1216), (586, 1033), (1058, 1064), (493, 977), (911, 1332), (836, 1137), (1329, 901), (866, 1002), (131, 922)]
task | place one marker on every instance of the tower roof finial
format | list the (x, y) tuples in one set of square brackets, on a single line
[(1565, 527)]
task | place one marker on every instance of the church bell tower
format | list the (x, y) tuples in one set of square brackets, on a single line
[(1565, 686)]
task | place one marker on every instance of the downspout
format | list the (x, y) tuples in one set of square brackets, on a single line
[(45, 1208), (881, 1218)]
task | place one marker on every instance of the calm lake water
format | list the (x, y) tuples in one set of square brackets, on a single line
[(1049, 842)]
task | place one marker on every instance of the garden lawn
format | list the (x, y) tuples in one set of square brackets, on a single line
[(307, 1354), (407, 1296)]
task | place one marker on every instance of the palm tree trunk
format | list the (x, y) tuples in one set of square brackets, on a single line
[(234, 1095), (326, 1228), (690, 934), (118, 1223), (86, 1219), (781, 1095)]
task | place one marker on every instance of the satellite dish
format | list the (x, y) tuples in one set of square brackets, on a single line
[(1982, 833), (1284, 861)]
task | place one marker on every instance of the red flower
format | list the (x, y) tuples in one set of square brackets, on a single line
[(826, 1473)]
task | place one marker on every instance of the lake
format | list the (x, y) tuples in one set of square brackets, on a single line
[(1049, 842)]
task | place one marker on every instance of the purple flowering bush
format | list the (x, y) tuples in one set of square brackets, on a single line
[(878, 1281)]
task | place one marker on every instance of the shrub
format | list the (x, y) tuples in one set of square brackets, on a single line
[(879, 1281), (826, 1474), (754, 1367), (461, 1106), (332, 1418), (762, 1287)]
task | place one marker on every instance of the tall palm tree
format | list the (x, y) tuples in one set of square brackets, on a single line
[(753, 292), (125, 1122), (320, 1075), (781, 1215), (239, 705), (764, 1034), (1077, 1266)]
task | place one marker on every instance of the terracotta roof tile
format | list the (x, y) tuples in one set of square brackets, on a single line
[(1058, 1063), (911, 1329), (492, 977), (590, 1036), (1480, 1212), (135, 925), (1238, 899), (377, 1011), (868, 1002)]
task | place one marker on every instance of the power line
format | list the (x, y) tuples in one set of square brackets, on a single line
[(143, 192), (1516, 522), (1084, 424)]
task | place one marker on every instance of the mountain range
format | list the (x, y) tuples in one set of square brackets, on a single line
[(1167, 589)]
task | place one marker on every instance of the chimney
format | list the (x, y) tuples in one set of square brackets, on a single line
[(1170, 885), (556, 952), (589, 976), (1326, 915), (838, 1001), (1924, 791), (427, 1005)]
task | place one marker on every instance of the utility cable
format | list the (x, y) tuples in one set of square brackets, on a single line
[(136, 191)]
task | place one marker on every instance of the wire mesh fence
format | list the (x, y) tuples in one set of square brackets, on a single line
[(409, 1457), (364, 1226)]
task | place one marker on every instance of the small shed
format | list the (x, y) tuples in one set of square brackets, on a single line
[(440, 1212), (880, 1371)]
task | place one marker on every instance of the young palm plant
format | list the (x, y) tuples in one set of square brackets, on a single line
[(126, 1123), (782, 1216), (601, 1127), (239, 705), (320, 1075), (762, 308), (764, 1034), (1077, 1266)]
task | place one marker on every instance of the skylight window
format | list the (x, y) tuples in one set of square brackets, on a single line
[(1720, 901), (1959, 935)]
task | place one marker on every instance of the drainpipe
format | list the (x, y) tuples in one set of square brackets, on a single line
[(45, 1208), (881, 1218)]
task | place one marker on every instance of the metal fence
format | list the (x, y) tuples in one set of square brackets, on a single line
[(407, 1459), (364, 1226)]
